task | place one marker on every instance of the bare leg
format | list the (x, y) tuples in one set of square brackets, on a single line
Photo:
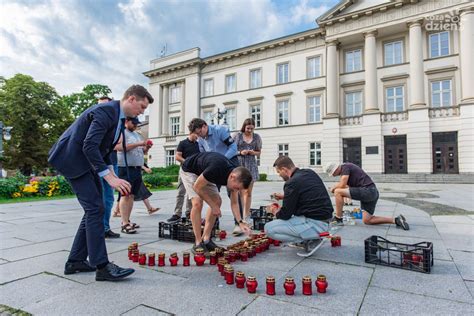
[(247, 199), (375, 220), (196, 218), (340, 194), (126, 205), (210, 220)]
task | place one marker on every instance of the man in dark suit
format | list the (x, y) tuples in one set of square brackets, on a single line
[(82, 155)]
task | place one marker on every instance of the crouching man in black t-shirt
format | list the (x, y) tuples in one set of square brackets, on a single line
[(306, 208), (202, 175)]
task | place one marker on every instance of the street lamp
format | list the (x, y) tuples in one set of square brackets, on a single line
[(220, 115), (5, 133)]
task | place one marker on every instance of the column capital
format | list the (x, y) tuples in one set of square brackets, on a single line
[(332, 43), (370, 33), (414, 23)]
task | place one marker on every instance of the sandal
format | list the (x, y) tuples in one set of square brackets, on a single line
[(135, 225), (128, 229), (153, 210)]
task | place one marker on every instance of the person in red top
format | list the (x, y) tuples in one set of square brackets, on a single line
[(357, 185)]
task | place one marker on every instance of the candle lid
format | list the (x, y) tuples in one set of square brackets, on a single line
[(199, 251), (270, 278), (289, 279), (228, 268), (186, 254), (174, 254), (161, 254), (306, 278), (251, 278), (151, 254), (321, 277), (240, 274)]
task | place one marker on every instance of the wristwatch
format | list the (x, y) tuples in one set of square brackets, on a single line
[(241, 221)]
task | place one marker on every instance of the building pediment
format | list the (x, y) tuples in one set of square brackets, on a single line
[(353, 9)]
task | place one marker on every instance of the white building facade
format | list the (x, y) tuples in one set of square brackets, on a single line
[(387, 85)]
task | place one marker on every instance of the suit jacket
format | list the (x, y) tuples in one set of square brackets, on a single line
[(88, 143)]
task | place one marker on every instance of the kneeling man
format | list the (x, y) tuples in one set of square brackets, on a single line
[(202, 175), (357, 185), (306, 208)]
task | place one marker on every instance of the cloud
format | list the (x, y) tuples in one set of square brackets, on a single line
[(70, 44)]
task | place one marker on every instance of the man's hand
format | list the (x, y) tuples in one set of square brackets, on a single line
[(245, 227), (278, 196), (118, 184), (272, 208)]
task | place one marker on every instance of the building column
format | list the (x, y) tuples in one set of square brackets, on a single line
[(165, 116), (466, 34), (417, 95), (370, 60), (332, 74), (182, 121)]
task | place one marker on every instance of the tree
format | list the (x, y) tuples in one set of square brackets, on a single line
[(79, 102), (38, 116)]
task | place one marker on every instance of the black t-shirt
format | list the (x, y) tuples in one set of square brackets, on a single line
[(188, 148), (213, 166), (357, 176)]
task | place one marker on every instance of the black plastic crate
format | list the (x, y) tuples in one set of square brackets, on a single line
[(181, 230), (416, 257), (258, 212)]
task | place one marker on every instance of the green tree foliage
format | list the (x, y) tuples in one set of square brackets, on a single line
[(38, 117), (79, 102)]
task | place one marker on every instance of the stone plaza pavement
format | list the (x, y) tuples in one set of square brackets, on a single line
[(36, 237)]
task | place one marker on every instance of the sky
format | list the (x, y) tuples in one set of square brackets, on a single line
[(70, 44)]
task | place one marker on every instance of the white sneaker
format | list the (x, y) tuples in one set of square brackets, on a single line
[(311, 246), (237, 231)]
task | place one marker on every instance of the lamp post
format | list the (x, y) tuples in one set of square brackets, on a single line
[(219, 116), (5, 133)]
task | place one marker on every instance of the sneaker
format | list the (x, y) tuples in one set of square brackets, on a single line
[(310, 247), (211, 246), (202, 246), (173, 218), (237, 231), (336, 221), (111, 234), (400, 221), (299, 245)]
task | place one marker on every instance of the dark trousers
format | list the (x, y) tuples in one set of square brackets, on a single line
[(235, 162), (90, 238)]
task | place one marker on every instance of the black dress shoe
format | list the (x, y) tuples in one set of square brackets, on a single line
[(111, 234), (81, 266), (112, 272)]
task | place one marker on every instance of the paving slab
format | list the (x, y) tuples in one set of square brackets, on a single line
[(12, 242), (426, 232), (457, 236), (470, 286), (465, 263), (143, 310), (362, 232), (380, 301), (443, 282), (454, 219), (34, 250), (34, 289), (273, 306)]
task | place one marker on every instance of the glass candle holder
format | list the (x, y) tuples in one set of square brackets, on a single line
[(222, 234), (229, 274), (130, 252), (232, 255), (276, 243), (251, 284), (321, 283), (199, 257), (134, 245), (240, 280), (151, 259), (161, 259), (244, 254), (307, 285), (333, 241), (174, 259), (142, 259), (338, 241), (212, 258), (289, 286), (219, 252), (270, 282), (135, 255), (186, 256)]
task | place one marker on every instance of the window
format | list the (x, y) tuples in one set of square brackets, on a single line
[(208, 87), (170, 159), (439, 44), (441, 93), (283, 115), (230, 83), (174, 125), (354, 60), (283, 149), (255, 113), (313, 67), (255, 78), (353, 103), (393, 53), (283, 73), (175, 94), (207, 116), (231, 118), (314, 109), (394, 99), (314, 154)]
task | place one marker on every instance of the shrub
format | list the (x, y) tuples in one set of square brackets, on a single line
[(157, 180), (10, 187), (262, 177)]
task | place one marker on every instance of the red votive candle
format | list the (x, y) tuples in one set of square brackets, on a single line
[(142, 259), (161, 259), (321, 283), (251, 284), (212, 258), (289, 286), (222, 234), (199, 257), (307, 285), (186, 259), (244, 255), (174, 259), (135, 255), (151, 259), (270, 285), (276, 243), (229, 274), (240, 280)]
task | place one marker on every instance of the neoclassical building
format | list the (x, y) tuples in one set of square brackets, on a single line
[(388, 85)]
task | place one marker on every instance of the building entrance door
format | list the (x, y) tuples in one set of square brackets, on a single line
[(352, 151), (445, 152), (395, 154)]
